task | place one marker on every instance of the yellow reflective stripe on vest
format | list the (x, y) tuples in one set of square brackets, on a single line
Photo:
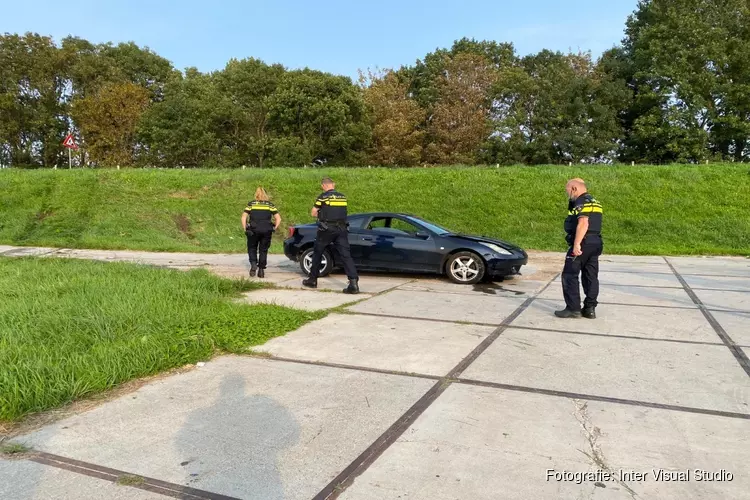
[(591, 210)]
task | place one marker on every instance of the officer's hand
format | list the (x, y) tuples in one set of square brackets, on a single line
[(577, 250)]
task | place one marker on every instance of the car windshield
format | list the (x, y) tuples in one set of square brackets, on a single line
[(432, 227)]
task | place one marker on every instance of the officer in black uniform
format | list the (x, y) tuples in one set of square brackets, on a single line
[(583, 228), (259, 221), (330, 209)]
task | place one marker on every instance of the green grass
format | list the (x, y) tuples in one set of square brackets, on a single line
[(12, 449), (669, 210), (129, 480), (72, 328)]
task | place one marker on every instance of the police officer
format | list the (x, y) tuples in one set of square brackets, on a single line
[(259, 220), (583, 228), (330, 209)]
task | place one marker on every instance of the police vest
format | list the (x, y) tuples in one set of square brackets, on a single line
[(260, 214), (584, 206)]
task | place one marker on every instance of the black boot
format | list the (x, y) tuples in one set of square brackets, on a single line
[(310, 282), (589, 312), (261, 273), (567, 313), (253, 268), (353, 287)]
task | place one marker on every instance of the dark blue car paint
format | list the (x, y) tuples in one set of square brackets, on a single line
[(385, 250)]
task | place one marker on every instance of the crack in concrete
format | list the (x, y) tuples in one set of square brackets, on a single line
[(592, 434)]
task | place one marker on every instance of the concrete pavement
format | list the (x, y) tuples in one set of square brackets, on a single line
[(422, 389)]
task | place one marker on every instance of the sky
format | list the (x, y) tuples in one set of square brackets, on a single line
[(335, 35)]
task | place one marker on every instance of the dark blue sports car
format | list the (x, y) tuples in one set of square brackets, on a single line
[(396, 242)]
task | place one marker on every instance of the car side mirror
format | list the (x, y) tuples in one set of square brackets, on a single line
[(422, 235)]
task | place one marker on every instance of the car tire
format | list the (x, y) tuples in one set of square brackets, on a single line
[(465, 268), (305, 259)]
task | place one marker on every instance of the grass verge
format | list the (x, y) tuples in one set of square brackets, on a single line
[(71, 328), (13, 449), (667, 210)]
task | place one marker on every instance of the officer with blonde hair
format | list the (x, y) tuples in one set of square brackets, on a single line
[(259, 221)]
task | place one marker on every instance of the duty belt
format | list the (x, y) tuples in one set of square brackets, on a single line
[(324, 224)]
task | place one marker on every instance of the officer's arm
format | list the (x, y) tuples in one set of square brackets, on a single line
[(316, 207), (276, 220), (244, 220), (581, 230)]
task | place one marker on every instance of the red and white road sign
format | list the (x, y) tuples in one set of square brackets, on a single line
[(69, 142)]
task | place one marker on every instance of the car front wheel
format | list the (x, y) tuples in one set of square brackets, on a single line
[(465, 268), (326, 262)]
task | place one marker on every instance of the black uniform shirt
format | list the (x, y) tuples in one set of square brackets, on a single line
[(261, 213), (584, 206), (331, 206)]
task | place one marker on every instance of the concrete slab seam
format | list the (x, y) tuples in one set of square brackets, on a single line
[(519, 388), (551, 330), (113, 475), (738, 353), (603, 399), (607, 335), (341, 482), (348, 367), (431, 320), (653, 306)]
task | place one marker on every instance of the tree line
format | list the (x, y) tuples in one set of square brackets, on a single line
[(677, 89)]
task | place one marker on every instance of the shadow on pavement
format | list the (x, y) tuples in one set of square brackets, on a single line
[(233, 447)]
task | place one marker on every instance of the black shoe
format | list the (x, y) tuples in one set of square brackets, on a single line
[(567, 313), (589, 312), (310, 283), (252, 271), (261, 273), (353, 287)]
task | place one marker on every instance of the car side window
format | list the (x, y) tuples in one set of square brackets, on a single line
[(355, 222), (404, 226), (378, 223), (392, 226), (384, 225)]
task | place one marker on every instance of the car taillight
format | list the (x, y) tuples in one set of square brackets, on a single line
[(291, 232)]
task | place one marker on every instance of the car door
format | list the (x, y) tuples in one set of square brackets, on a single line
[(395, 243), (356, 243)]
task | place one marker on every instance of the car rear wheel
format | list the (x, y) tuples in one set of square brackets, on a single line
[(326, 263), (465, 268)]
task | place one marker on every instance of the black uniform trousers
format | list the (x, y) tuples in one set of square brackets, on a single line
[(587, 265), (258, 243), (338, 235)]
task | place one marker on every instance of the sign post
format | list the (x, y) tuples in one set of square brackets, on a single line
[(70, 143)]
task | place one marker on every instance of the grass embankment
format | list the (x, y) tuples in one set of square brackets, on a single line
[(648, 210), (72, 328)]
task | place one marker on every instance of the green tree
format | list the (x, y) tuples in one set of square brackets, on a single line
[(426, 74), (459, 120), (32, 100), (396, 120), (185, 127), (691, 68), (108, 120), (248, 85), (319, 115), (556, 108)]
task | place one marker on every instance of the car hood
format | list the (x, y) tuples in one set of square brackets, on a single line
[(483, 239)]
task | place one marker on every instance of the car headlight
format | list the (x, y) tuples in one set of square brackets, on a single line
[(497, 249)]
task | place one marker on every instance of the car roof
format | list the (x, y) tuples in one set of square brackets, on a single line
[(381, 214)]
